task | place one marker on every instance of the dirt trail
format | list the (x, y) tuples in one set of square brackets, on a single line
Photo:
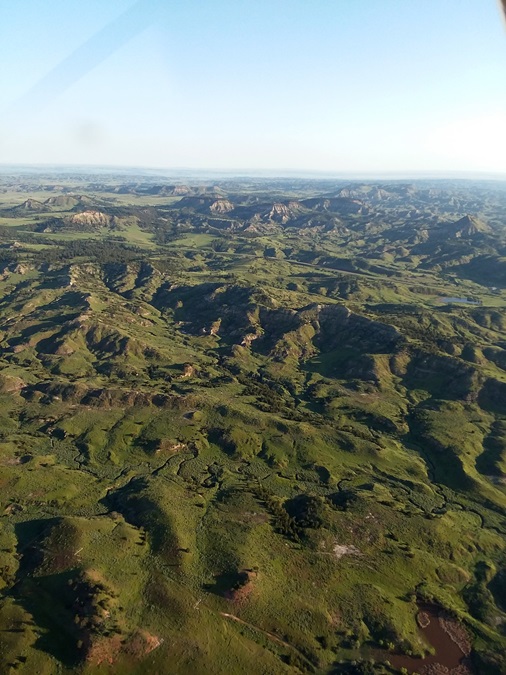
[(271, 636)]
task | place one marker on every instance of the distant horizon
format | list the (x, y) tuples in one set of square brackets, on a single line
[(196, 172)]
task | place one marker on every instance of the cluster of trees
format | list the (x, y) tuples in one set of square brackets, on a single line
[(272, 400), (6, 233), (293, 516), (101, 251), (271, 396), (306, 510), (7, 257), (93, 606), (283, 522)]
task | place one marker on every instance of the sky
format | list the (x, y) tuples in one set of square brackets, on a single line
[(332, 86)]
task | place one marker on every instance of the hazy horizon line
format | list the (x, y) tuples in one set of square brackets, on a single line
[(245, 172)]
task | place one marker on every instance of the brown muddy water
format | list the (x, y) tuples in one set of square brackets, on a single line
[(447, 652)]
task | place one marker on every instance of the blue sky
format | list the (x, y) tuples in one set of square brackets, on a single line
[(358, 86)]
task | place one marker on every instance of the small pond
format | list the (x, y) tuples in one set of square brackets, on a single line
[(446, 636)]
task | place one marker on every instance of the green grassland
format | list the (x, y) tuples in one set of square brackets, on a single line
[(235, 444)]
